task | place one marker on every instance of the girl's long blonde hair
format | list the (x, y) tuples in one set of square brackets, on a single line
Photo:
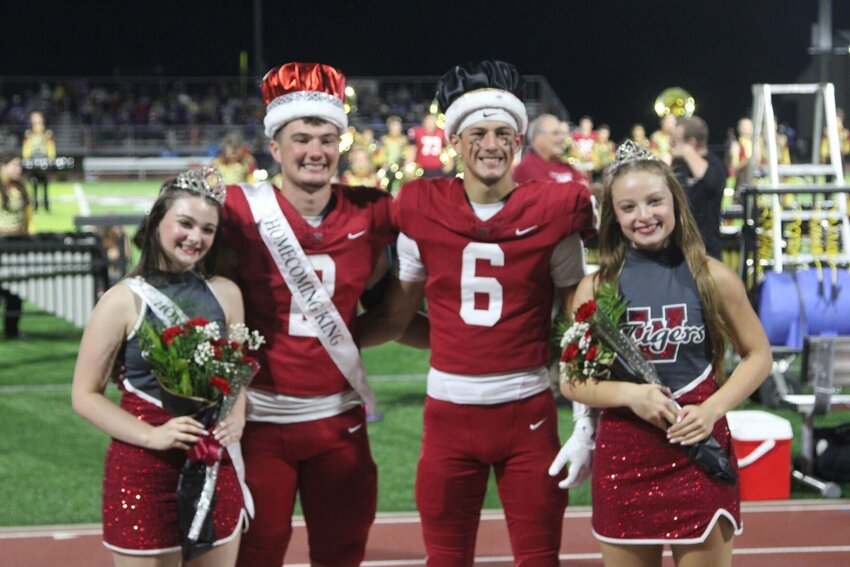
[(613, 246)]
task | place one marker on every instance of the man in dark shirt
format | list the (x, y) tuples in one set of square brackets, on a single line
[(702, 176)]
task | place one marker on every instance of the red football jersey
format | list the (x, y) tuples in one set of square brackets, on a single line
[(533, 166), (489, 288), (343, 250), (429, 146)]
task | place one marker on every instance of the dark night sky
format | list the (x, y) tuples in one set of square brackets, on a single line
[(604, 58)]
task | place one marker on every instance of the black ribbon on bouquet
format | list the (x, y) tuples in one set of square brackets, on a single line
[(189, 489), (203, 455)]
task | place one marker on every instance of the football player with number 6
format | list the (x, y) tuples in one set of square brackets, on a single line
[(489, 256)]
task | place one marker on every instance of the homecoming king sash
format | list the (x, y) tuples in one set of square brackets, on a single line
[(307, 290)]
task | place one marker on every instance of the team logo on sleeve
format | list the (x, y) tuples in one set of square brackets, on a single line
[(661, 337)]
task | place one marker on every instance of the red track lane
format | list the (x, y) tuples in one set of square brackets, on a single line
[(776, 534)]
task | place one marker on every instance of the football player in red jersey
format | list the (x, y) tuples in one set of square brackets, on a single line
[(429, 147), (489, 256), (304, 253)]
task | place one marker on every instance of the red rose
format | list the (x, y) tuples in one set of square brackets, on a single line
[(197, 322), (586, 311), (168, 334), (570, 352), (221, 384), (216, 352), (591, 353), (249, 359), (234, 344)]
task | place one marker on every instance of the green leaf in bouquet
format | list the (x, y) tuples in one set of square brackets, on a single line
[(184, 384), (148, 337), (606, 358), (610, 302)]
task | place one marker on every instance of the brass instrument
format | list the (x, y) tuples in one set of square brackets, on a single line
[(676, 101)]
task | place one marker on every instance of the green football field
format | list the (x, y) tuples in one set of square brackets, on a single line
[(69, 199), (51, 459)]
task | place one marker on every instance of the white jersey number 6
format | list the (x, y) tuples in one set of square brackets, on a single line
[(470, 285)]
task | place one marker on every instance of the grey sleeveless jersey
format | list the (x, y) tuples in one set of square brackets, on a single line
[(664, 315), (194, 297)]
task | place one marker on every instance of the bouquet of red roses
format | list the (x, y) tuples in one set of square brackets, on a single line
[(584, 353), (192, 360), (595, 347), (200, 373)]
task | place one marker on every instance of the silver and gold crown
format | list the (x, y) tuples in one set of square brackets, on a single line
[(205, 181), (630, 152)]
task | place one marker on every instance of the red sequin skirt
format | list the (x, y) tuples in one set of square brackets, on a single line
[(647, 490), (140, 492)]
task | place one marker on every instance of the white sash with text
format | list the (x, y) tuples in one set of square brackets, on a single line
[(306, 288)]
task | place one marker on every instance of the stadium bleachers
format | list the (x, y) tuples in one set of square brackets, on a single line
[(172, 116)]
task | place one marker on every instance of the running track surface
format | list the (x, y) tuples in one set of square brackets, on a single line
[(779, 533)]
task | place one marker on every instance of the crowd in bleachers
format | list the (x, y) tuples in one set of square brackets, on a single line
[(133, 102), (151, 102), (206, 112)]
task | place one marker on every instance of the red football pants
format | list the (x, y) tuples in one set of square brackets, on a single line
[(329, 463), (460, 444)]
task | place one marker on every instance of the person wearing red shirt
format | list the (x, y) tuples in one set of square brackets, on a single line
[(429, 142), (542, 160), (582, 144), (303, 254), (489, 256)]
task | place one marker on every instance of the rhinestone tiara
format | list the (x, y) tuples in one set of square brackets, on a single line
[(305, 96), (205, 181), (630, 152)]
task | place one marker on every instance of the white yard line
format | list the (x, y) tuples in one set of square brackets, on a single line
[(82, 201), (390, 518)]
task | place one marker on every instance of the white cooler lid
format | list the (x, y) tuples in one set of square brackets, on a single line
[(754, 425)]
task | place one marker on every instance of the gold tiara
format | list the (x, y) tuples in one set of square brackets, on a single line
[(205, 181), (630, 152)]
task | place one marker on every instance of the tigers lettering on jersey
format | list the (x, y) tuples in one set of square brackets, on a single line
[(660, 338)]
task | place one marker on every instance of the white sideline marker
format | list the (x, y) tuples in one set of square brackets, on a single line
[(82, 201)]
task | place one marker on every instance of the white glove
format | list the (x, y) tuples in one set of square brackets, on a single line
[(578, 451)]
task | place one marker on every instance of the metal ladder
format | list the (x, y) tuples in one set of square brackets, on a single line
[(764, 124)]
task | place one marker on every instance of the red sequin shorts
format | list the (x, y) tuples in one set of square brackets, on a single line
[(140, 492), (647, 490)]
